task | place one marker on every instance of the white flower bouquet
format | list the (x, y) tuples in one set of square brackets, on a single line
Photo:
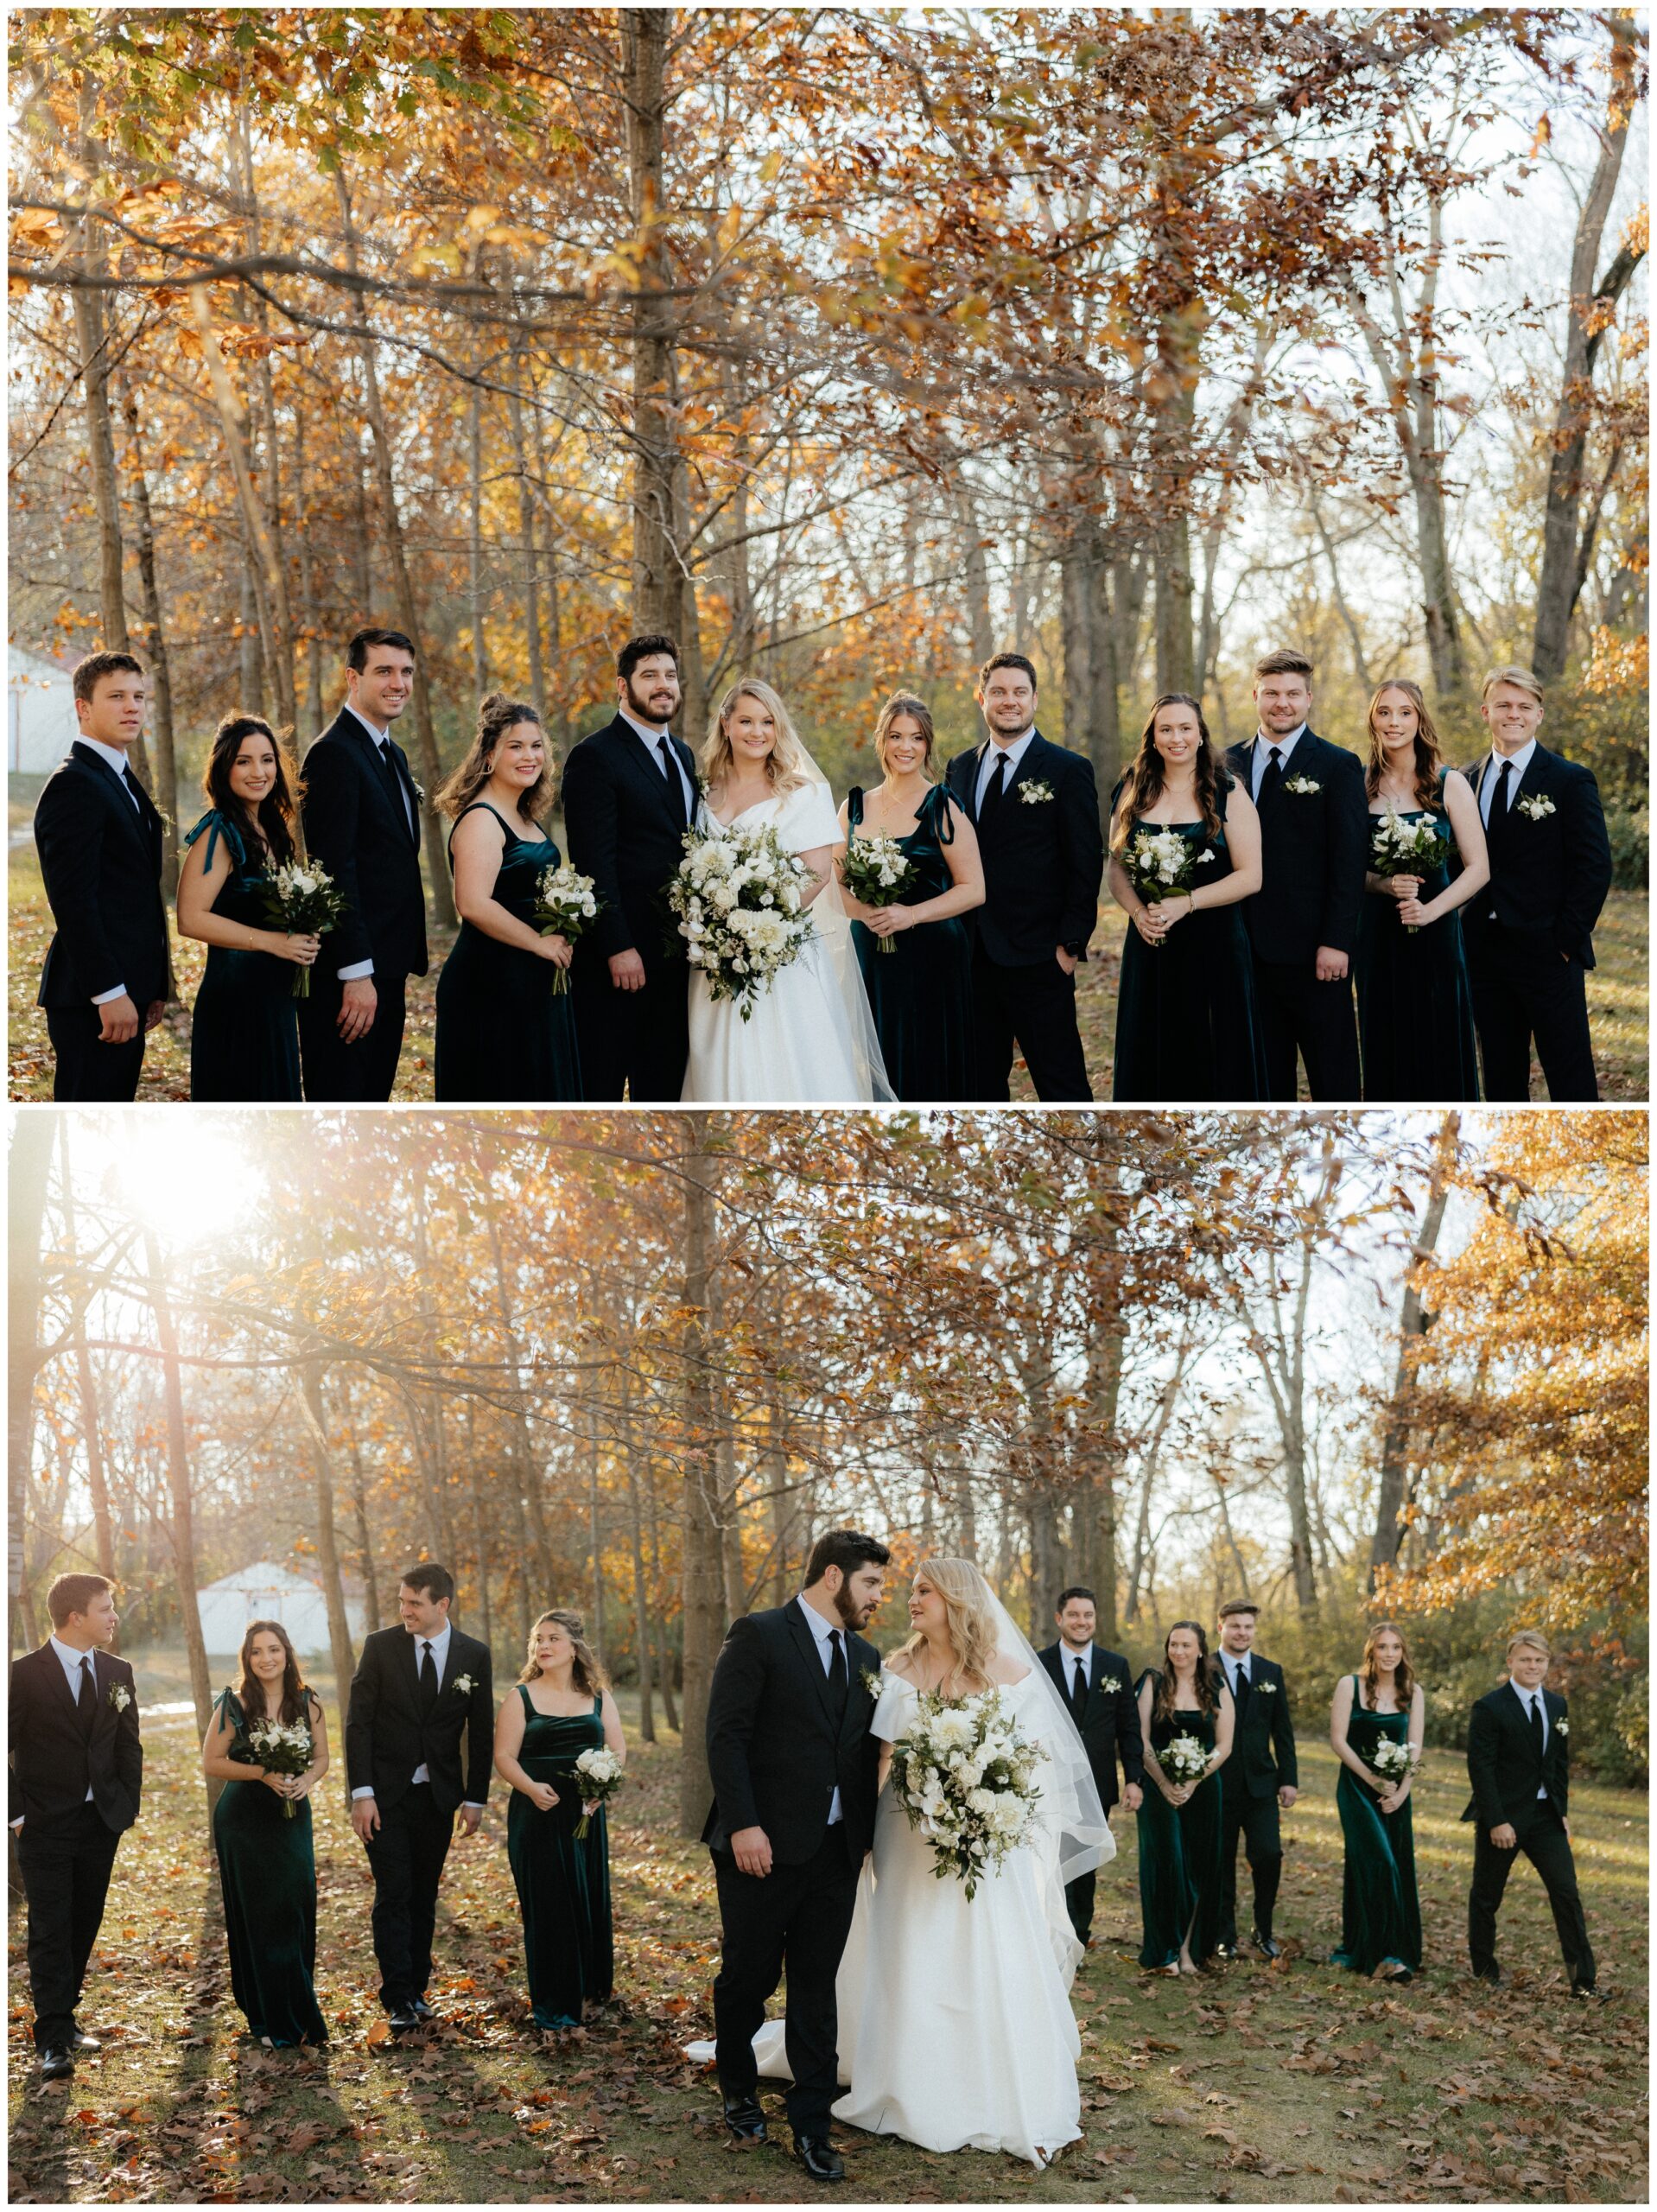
[(877, 871), (1160, 864), (1393, 1762), (1400, 848), (1186, 1759), (282, 1747), (966, 1780), (565, 905), (739, 897), (600, 1777), (303, 899)]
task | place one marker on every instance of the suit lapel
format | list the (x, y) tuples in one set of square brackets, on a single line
[(59, 1683), (141, 820), (359, 732), (649, 778), (806, 1644)]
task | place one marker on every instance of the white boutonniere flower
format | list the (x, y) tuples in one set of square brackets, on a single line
[(1110, 1684), (1538, 807), (419, 790), (1264, 1690), (1562, 1726), (1035, 794), (463, 1685), (1303, 787), (120, 1696), (870, 1678)]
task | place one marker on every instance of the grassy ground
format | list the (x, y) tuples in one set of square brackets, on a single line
[(1617, 1003), (1259, 2084)]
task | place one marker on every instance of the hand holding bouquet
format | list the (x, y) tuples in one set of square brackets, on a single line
[(1160, 864), (282, 1747), (600, 1778), (740, 899), (302, 899), (1185, 1760), (1400, 848), (967, 1779), (1395, 1763), (565, 906), (877, 872)]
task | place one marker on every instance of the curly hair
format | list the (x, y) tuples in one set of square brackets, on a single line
[(968, 1609), (785, 768), (1369, 1668), (496, 716), (586, 1674), (1208, 1690), (1429, 751), (1143, 787)]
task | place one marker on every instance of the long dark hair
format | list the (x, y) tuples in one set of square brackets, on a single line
[(296, 1698), (497, 715), (1145, 776), (1429, 754), (1208, 1693), (279, 805), (1369, 1668)]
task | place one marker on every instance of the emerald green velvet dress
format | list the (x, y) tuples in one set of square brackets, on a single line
[(506, 1035), (1179, 1851), (267, 1869), (1381, 1914), (920, 993), (244, 1026), (563, 1881), (1415, 1002)]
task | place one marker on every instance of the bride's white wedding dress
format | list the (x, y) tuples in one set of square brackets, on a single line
[(801, 1044), (955, 2027)]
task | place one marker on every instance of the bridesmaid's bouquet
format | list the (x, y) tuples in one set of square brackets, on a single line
[(566, 907), (600, 1777), (876, 871), (1400, 848), (966, 1779), (304, 899), (1186, 1759), (1393, 1762), (1160, 863), (282, 1747), (738, 896)]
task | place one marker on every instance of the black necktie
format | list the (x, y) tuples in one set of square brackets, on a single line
[(87, 1702), (994, 789), (1504, 791), (427, 1680), (670, 770), (837, 1673), (1079, 1688), (1536, 1724), (1273, 776)]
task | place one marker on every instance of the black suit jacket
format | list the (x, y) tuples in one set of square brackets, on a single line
[(1262, 1740), (385, 1738), (100, 861), (358, 828), (1502, 1764), (775, 1755), (1110, 1720), (1314, 847), (624, 825), (1548, 877), (1044, 860), (52, 1764)]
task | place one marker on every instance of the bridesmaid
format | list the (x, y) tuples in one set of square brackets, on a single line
[(921, 992), (1179, 1821), (505, 1034), (245, 1031), (559, 1708), (1185, 1026), (1415, 1005), (1381, 1916), (267, 1866)]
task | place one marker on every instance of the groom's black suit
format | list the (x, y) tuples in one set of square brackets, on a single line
[(782, 1738), (1044, 855), (1521, 1780), (1107, 1719), (392, 1729), (66, 1847), (624, 821)]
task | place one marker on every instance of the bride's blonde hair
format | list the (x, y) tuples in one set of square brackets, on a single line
[(969, 1609), (785, 764)]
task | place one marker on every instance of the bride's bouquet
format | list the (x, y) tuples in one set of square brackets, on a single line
[(737, 896), (1160, 863), (876, 871), (565, 906), (303, 899), (282, 1747), (1400, 848), (966, 1779), (1186, 1759)]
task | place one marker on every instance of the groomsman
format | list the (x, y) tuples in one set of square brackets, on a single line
[(630, 795), (76, 1767), (416, 1690), (1303, 922), (1519, 1763), (361, 816), (1099, 1690), (1260, 1777), (107, 975), (1529, 934), (1036, 809)]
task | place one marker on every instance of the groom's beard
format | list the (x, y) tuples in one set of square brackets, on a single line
[(853, 1616), (660, 707)]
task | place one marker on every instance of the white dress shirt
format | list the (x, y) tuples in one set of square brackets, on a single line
[(382, 739), (68, 1658), (1525, 1698), (994, 751), (652, 739), (1236, 1667), (1490, 781), (825, 1631), (1264, 747), (117, 760), (440, 1644)]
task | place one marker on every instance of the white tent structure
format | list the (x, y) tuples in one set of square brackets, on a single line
[(41, 723), (264, 1592)]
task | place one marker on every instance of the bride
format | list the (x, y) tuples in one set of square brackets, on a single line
[(955, 2027), (811, 1038)]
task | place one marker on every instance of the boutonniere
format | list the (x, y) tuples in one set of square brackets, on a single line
[(870, 1678), (419, 789), (1035, 794), (1303, 787), (464, 1685), (1538, 807), (1108, 1684), (1264, 1690), (120, 1696), (1562, 1726)]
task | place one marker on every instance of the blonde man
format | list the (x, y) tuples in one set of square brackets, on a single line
[(1530, 931), (1518, 1760)]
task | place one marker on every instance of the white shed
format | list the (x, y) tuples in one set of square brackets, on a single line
[(265, 1592), (41, 724)]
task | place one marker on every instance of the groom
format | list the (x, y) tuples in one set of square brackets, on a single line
[(415, 1688), (630, 795), (793, 1767)]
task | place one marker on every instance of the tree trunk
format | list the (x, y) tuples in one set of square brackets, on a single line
[(641, 1587), (526, 534), (327, 1551), (656, 597), (1104, 725), (1104, 1394), (366, 1568), (976, 579), (704, 1619), (166, 772), (595, 1541), (1075, 639), (249, 653), (177, 1476), (1175, 594), (474, 546), (306, 587), (28, 1169), (1414, 1323), (92, 1427)]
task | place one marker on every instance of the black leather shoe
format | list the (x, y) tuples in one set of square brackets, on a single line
[(745, 2118), (1268, 1946), (402, 2018), (81, 2040), (1225, 1950), (1589, 1992), (56, 2065), (819, 2157), (1490, 1976), (419, 2007)]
